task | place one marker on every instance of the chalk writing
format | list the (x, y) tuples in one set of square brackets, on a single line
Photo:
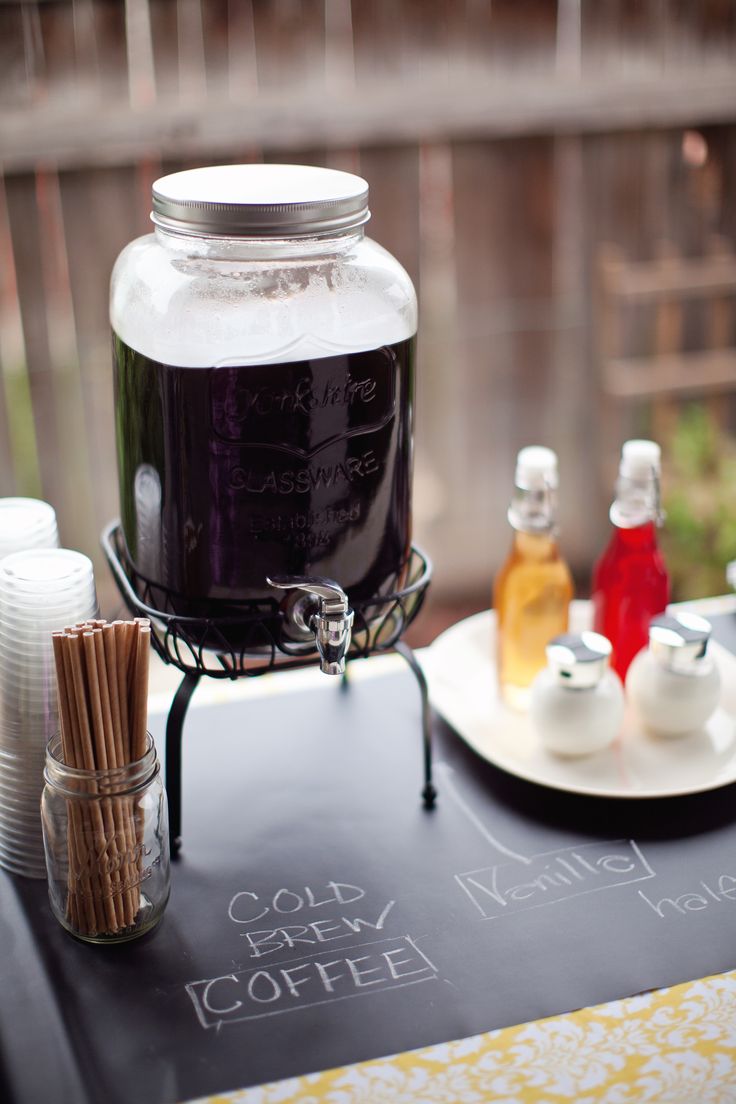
[(267, 941), (273, 989), (247, 907), (508, 888), (446, 772), (723, 891)]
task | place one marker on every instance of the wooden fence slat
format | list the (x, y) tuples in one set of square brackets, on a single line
[(290, 48), (422, 109), (393, 179), (339, 52), (110, 36), (14, 83), (85, 43), (26, 241), (19, 472), (441, 435), (242, 65), (57, 29), (670, 374), (192, 65), (74, 455), (141, 73), (102, 212)]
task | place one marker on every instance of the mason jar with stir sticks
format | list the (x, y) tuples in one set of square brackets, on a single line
[(104, 807)]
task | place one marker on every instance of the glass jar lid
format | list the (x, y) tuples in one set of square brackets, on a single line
[(260, 201)]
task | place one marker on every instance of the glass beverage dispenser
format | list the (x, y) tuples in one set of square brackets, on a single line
[(264, 372)]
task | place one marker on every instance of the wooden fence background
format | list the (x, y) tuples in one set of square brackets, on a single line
[(558, 177)]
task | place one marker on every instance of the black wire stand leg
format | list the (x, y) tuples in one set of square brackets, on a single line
[(429, 792), (174, 730)]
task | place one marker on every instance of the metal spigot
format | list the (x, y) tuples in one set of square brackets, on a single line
[(329, 617)]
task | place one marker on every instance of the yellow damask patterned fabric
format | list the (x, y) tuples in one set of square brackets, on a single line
[(673, 1046)]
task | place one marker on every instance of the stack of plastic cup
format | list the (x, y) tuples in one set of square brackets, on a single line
[(41, 591), (26, 523)]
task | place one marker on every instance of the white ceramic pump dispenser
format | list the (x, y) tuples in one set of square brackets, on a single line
[(577, 702), (674, 685)]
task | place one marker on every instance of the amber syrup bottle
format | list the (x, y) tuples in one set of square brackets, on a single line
[(630, 580), (533, 589)]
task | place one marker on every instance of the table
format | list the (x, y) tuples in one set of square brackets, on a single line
[(305, 803)]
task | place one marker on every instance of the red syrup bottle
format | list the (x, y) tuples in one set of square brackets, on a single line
[(630, 580)]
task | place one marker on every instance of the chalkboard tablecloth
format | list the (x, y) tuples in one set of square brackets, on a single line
[(319, 916)]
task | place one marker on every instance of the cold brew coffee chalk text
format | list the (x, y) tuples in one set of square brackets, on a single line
[(357, 962)]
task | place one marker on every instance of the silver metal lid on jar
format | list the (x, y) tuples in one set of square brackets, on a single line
[(679, 640), (260, 201), (579, 660)]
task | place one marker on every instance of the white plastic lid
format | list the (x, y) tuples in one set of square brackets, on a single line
[(640, 458), (536, 467)]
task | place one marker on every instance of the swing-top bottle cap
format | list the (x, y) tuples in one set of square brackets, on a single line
[(637, 498), (579, 660), (536, 467), (533, 506), (679, 640), (640, 459)]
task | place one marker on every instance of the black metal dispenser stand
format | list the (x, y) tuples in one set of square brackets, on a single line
[(242, 640)]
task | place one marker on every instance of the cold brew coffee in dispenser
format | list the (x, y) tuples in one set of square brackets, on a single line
[(264, 372)]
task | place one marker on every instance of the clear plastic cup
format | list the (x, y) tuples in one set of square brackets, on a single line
[(25, 651), (26, 856), (24, 722), (31, 630), (19, 782), (26, 523), (24, 840), (15, 729), (29, 864), (24, 772), (45, 571), (23, 803), (26, 597), (25, 870), (21, 848), (21, 701), (22, 823), (21, 704), (9, 760), (33, 623), (20, 749), (34, 672), (17, 789), (20, 754)]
